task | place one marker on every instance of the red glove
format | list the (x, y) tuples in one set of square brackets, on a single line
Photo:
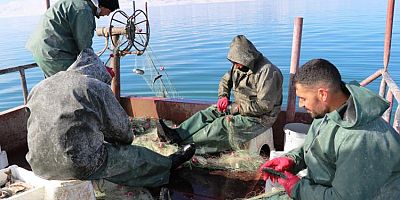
[(222, 104), (289, 182), (279, 164), (110, 71)]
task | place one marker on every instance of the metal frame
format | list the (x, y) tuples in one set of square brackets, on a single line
[(115, 33), (22, 77)]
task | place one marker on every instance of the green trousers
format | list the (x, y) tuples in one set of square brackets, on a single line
[(51, 67), (134, 166), (212, 131)]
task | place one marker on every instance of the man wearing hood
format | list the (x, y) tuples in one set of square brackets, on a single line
[(257, 87), (350, 151), (78, 130), (65, 30)]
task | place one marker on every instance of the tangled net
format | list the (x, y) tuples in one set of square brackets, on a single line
[(238, 160)]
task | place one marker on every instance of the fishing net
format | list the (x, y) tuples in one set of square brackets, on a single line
[(105, 190), (155, 75), (146, 136), (235, 163), (238, 160)]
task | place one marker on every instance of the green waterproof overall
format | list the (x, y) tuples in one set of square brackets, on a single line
[(211, 130), (134, 166)]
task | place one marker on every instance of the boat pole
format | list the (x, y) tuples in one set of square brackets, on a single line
[(386, 57), (387, 44), (115, 57), (115, 64), (294, 65)]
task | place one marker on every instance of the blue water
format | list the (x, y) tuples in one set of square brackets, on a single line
[(191, 41)]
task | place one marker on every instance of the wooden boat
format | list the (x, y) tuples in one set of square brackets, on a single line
[(221, 185)]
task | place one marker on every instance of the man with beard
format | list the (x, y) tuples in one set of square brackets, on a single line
[(350, 151)]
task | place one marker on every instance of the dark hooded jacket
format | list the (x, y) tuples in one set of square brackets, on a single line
[(351, 153), (258, 91), (71, 114)]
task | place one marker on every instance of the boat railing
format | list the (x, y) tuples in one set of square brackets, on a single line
[(21, 70), (392, 91)]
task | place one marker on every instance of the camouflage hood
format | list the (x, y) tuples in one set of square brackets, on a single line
[(90, 65), (242, 51)]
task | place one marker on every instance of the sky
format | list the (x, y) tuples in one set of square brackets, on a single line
[(15, 8)]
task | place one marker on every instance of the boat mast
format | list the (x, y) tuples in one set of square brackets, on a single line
[(294, 65)]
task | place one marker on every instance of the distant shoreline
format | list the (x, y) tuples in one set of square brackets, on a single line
[(18, 8)]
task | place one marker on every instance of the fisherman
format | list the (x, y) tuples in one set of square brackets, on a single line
[(78, 130), (257, 88), (350, 151), (64, 31)]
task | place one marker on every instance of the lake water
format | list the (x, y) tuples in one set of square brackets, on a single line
[(191, 41)]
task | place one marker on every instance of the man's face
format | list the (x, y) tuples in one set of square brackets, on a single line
[(104, 11), (237, 65), (312, 100)]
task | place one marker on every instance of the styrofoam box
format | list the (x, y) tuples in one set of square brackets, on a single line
[(3, 159), (51, 189), (265, 138)]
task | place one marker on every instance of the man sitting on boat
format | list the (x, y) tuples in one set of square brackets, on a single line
[(350, 151), (257, 88), (78, 130), (65, 30)]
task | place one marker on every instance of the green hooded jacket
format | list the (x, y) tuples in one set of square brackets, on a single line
[(351, 153), (64, 31), (258, 91)]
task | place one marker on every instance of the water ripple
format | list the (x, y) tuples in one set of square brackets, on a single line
[(191, 42)]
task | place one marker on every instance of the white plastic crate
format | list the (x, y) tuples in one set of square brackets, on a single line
[(51, 189)]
